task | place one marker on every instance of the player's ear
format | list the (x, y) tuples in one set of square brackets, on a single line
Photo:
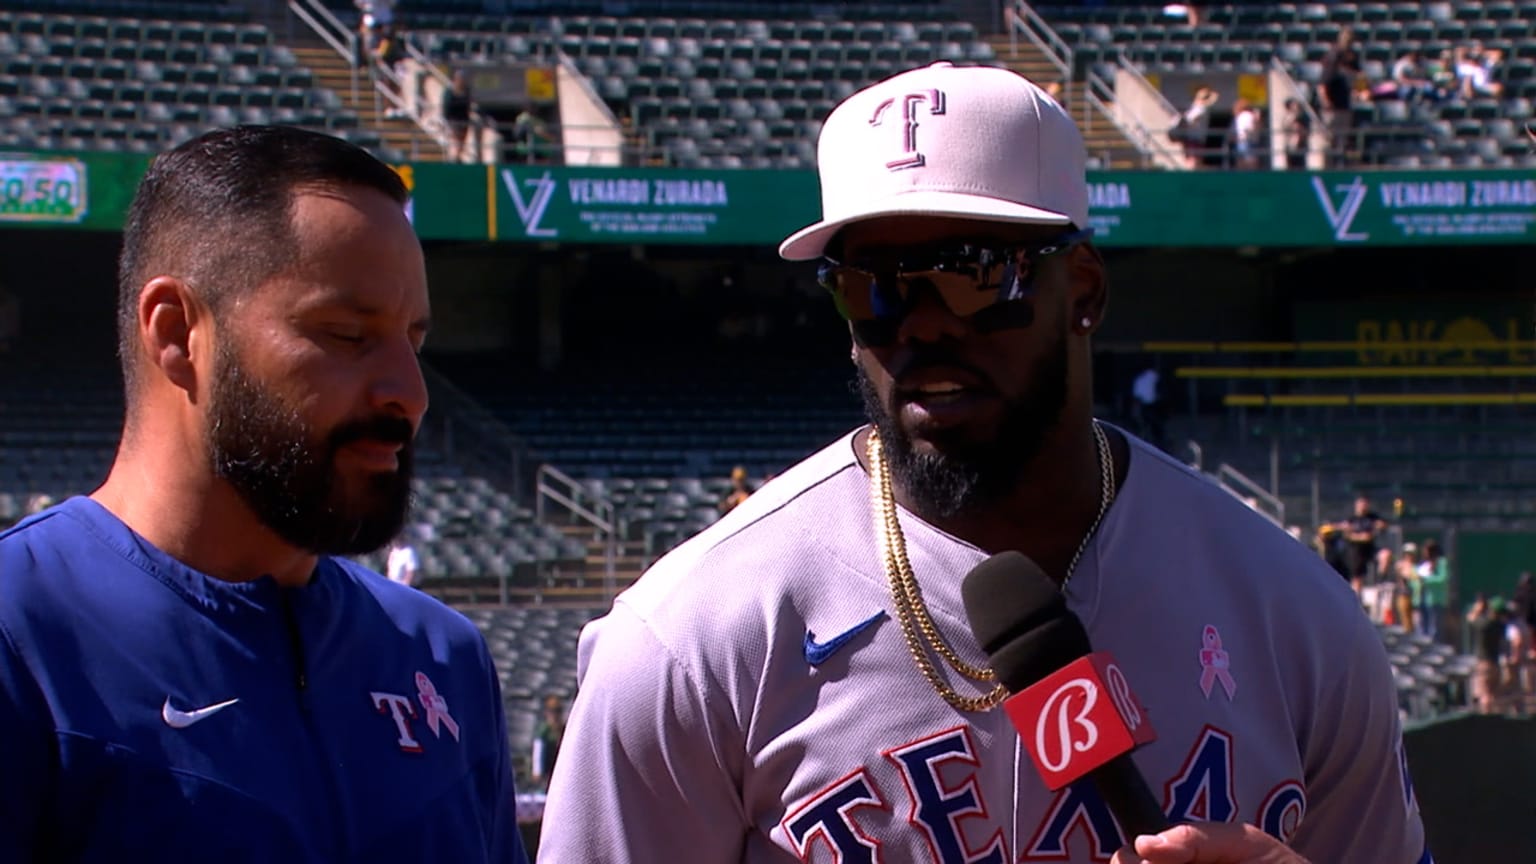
[(1089, 287), (171, 320)]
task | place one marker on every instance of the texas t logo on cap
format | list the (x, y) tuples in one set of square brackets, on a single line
[(910, 103), (971, 142)]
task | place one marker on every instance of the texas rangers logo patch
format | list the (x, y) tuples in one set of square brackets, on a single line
[(402, 710)]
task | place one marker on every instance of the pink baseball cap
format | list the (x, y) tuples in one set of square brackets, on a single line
[(972, 142)]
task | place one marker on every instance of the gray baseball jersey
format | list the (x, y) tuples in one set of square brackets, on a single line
[(752, 698)]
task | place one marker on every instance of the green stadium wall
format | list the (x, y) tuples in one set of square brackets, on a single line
[(564, 204)]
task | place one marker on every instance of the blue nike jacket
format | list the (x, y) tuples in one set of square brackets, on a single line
[(151, 713)]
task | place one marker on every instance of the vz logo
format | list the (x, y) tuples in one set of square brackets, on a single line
[(531, 210), (1342, 218)]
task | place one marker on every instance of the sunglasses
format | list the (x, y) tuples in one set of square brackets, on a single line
[(994, 282)]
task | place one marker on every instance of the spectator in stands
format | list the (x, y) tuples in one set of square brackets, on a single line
[(1434, 575), (1475, 72), (738, 491), (1334, 548), (1193, 126), (402, 566), (1055, 89), (1441, 71), (272, 301), (376, 16), (531, 137), (376, 13), (1296, 133), (547, 736), (38, 503), (458, 107), (388, 55), (1405, 588), (1361, 531), (1147, 403), (1485, 622), (1411, 79), (1246, 134), (1517, 656), (1341, 68)]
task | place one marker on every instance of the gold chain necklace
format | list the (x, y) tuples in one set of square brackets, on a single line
[(917, 625)]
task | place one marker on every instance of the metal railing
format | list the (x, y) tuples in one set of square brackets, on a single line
[(1023, 19), (1098, 95), (1149, 142), (1317, 133), (554, 487), (329, 28), (1156, 144), (467, 432), (433, 124), (387, 85), (1241, 485)]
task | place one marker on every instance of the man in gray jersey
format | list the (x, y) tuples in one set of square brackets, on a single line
[(799, 681)]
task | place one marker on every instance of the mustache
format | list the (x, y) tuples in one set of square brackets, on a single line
[(928, 355), (380, 427)]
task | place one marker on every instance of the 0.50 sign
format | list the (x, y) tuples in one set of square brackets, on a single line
[(42, 190)]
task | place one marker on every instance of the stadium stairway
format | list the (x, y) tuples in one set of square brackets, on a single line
[(332, 72), (629, 562), (1105, 141)]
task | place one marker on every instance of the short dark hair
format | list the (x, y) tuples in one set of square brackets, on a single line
[(216, 211)]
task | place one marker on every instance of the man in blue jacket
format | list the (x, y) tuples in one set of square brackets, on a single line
[(186, 671)]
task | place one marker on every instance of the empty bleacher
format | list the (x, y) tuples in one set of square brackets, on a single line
[(59, 428), (88, 82), (534, 649), (723, 92)]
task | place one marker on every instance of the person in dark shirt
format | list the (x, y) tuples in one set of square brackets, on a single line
[(1486, 622), (1360, 532), (1341, 65), (457, 107)]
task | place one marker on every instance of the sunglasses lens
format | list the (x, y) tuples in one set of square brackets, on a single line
[(963, 294), (860, 296), (969, 282)]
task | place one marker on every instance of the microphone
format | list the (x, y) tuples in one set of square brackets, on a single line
[(1073, 707)]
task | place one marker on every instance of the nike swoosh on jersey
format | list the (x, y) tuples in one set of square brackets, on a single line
[(182, 719), (816, 653)]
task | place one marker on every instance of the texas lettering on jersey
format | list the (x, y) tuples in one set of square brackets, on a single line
[(954, 819)]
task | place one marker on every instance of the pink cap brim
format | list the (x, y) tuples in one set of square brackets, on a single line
[(811, 241)]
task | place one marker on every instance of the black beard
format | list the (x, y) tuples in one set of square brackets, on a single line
[(286, 472), (960, 476)]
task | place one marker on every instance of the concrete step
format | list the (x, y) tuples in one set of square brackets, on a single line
[(1103, 139), (596, 561), (334, 73)]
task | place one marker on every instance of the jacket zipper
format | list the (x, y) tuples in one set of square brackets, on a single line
[(296, 644), (316, 745)]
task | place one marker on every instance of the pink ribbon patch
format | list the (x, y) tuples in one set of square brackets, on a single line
[(436, 707), (1215, 663)]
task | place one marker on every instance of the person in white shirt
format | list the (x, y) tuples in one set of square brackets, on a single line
[(798, 681), (1245, 134), (402, 566), (1149, 409)]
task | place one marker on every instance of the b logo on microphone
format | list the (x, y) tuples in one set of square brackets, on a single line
[(1072, 728), (1056, 757)]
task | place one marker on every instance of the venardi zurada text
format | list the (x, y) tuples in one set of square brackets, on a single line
[(1459, 193), (656, 192)]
